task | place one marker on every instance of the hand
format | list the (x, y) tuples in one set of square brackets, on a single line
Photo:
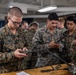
[(24, 49), (18, 53), (53, 45), (74, 42)]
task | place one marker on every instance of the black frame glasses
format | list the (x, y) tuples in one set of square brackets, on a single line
[(16, 23)]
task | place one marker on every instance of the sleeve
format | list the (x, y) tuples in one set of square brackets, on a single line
[(5, 56), (73, 52), (61, 41), (37, 42), (73, 44)]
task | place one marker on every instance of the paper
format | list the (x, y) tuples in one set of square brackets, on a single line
[(22, 73)]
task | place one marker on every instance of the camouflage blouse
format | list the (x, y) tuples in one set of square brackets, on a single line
[(8, 44), (40, 41)]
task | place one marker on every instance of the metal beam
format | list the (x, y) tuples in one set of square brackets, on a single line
[(66, 9), (45, 16), (24, 7)]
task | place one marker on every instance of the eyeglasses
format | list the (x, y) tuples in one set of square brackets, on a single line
[(15, 23)]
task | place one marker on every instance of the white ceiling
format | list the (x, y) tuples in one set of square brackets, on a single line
[(30, 7)]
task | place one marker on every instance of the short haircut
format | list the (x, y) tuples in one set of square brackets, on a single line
[(53, 16), (71, 18), (24, 22), (15, 11), (61, 19)]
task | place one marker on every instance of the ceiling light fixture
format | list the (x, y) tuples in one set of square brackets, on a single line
[(10, 6), (47, 8)]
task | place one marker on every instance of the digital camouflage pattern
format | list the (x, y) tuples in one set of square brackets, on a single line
[(8, 44), (41, 40), (29, 35), (70, 46), (32, 57), (63, 30)]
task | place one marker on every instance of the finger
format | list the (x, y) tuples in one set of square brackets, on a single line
[(20, 50), (22, 54), (20, 57), (24, 49)]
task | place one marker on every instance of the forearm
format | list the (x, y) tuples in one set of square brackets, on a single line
[(41, 46), (6, 57), (38, 42)]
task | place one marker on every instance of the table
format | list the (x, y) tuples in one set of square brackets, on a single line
[(37, 71)]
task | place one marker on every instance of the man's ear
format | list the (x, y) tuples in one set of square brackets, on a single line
[(48, 20), (8, 18)]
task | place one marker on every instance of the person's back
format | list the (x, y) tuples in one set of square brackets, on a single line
[(30, 33), (31, 59)]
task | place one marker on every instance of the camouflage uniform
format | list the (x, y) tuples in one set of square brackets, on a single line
[(29, 35), (63, 30), (31, 59), (41, 40), (69, 46), (8, 44), (74, 53)]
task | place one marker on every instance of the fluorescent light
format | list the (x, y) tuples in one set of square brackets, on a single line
[(47, 9), (10, 6)]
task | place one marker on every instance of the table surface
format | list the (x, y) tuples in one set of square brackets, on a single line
[(37, 71)]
